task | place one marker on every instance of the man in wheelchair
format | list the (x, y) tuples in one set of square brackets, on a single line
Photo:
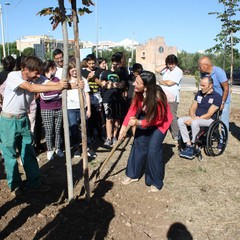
[(201, 114)]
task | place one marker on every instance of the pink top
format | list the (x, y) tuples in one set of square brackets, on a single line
[(162, 122)]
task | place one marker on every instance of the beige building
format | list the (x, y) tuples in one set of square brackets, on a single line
[(153, 53), (30, 41), (42, 44)]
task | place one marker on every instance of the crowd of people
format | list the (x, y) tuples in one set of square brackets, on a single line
[(31, 101)]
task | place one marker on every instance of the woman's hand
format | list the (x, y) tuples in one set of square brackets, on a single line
[(133, 122), (122, 133)]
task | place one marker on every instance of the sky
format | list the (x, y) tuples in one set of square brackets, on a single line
[(185, 24)]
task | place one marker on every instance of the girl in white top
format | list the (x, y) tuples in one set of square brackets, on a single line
[(73, 106)]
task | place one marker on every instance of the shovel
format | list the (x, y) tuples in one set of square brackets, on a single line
[(99, 170)]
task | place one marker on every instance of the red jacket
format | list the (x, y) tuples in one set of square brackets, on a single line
[(161, 122)]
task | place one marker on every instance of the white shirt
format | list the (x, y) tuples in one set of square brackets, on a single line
[(58, 73), (17, 100), (73, 97), (176, 76)]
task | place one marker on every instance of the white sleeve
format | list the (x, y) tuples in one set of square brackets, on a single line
[(86, 85), (176, 75)]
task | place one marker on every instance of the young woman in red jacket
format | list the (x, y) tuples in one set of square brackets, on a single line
[(150, 114)]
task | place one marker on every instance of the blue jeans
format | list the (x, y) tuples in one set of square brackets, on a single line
[(74, 119), (225, 114), (146, 157)]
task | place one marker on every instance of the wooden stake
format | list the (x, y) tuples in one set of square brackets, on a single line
[(103, 164)]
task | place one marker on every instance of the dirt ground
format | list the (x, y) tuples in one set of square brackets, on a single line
[(200, 199)]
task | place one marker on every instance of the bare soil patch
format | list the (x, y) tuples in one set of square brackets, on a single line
[(200, 200)]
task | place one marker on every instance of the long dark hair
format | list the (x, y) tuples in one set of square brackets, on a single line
[(47, 65), (154, 96)]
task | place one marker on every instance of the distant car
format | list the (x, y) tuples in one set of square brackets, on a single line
[(236, 76)]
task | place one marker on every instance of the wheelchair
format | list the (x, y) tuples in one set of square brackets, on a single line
[(213, 139)]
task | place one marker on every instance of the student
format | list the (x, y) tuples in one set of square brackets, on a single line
[(150, 114), (8, 64), (51, 112), (73, 106), (137, 68), (113, 83), (102, 64), (15, 127), (92, 73), (58, 58)]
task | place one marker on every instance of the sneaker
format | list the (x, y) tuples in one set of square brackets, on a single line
[(41, 188), (91, 153), (108, 143), (188, 153), (77, 153), (129, 180), (153, 189), (50, 155), (59, 153), (114, 140)]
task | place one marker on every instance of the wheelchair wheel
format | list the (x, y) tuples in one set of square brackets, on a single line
[(216, 140)]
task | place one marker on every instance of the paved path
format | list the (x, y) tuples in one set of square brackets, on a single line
[(189, 84)]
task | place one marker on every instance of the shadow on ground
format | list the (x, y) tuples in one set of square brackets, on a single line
[(179, 231), (235, 130), (53, 173), (82, 219)]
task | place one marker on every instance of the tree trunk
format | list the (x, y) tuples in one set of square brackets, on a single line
[(81, 100), (64, 105)]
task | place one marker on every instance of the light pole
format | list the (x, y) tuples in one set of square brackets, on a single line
[(101, 46), (7, 4), (96, 4), (3, 39)]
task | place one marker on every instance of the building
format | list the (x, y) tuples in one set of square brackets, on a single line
[(42, 44), (108, 45), (46, 44), (150, 55), (153, 53)]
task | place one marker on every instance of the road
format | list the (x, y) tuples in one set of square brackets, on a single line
[(189, 84)]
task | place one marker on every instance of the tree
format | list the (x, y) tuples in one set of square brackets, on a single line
[(226, 40), (59, 15), (107, 54), (28, 51)]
